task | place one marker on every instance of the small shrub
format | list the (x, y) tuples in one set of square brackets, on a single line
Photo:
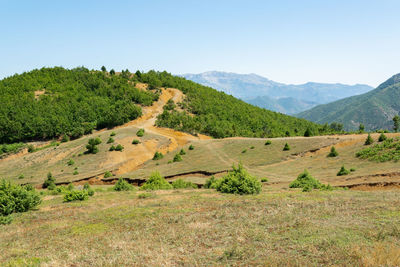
[(352, 169), (369, 140), (140, 132), (135, 142), (122, 185), (211, 183), (239, 181), (107, 174), (182, 152), (112, 148), (158, 156), (244, 151), (21, 176), (264, 180), (343, 171), (88, 189), (382, 137), (110, 140), (191, 147), (268, 142), (180, 184), (92, 145), (70, 187), (306, 182), (49, 181), (252, 147), (333, 152), (156, 182), (308, 132), (70, 162), (75, 195), (286, 147), (177, 158), (75, 172), (16, 198), (119, 147), (112, 134)]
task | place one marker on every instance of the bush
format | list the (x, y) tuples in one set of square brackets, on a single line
[(244, 151), (180, 184), (92, 145), (382, 137), (107, 174), (239, 181), (140, 132), (308, 133), (88, 189), (31, 148), (286, 147), (156, 182), (50, 181), (21, 176), (112, 134), (70, 162), (145, 195), (112, 148), (264, 180), (191, 147), (110, 140), (76, 195), (119, 147), (252, 147), (211, 183), (16, 198), (343, 171), (135, 142), (65, 138), (268, 142), (333, 152), (158, 155), (177, 158), (352, 169), (75, 172), (369, 140), (307, 182), (122, 185), (182, 152)]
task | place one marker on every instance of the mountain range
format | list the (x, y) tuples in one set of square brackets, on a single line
[(374, 109), (280, 97)]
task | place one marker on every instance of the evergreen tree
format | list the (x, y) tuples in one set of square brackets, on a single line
[(286, 147), (112, 72), (382, 137), (103, 69), (333, 152), (308, 132), (361, 128), (92, 145), (396, 123), (369, 140)]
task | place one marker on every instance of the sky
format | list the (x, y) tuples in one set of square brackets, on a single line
[(289, 41)]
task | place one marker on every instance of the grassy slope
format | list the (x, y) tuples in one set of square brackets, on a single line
[(374, 109), (202, 227)]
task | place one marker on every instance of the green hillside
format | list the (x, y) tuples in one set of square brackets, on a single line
[(50, 102), (207, 111), (374, 109)]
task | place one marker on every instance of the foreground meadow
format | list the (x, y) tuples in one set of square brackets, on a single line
[(279, 227)]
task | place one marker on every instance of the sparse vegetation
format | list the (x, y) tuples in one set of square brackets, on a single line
[(158, 155), (156, 182), (333, 153), (343, 171), (122, 185), (92, 145), (181, 184), (76, 195), (369, 140), (70, 162), (387, 150), (177, 158), (286, 147), (239, 181), (140, 133)]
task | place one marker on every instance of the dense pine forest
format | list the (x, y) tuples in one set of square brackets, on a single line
[(221, 115), (51, 102)]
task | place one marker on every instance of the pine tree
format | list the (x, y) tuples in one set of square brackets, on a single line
[(333, 152), (361, 128), (369, 140), (396, 123), (103, 69), (382, 137), (286, 147)]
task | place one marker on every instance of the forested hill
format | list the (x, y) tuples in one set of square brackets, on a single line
[(51, 102), (215, 113), (374, 109)]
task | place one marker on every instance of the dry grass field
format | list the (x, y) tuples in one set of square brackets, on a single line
[(201, 227)]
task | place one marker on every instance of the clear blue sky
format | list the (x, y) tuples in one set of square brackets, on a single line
[(347, 41)]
